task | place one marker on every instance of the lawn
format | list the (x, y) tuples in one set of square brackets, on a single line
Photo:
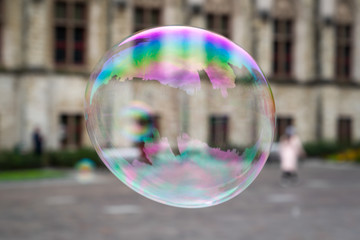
[(31, 174)]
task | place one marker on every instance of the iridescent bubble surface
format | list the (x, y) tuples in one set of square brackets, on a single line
[(181, 115)]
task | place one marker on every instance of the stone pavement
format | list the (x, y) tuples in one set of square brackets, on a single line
[(324, 205)]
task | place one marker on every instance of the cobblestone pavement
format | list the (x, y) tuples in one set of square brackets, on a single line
[(324, 205)]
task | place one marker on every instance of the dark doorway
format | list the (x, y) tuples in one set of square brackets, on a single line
[(281, 124), (219, 130)]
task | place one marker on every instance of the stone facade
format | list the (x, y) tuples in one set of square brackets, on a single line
[(34, 92)]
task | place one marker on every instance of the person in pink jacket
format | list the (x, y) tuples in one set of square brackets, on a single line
[(290, 149)]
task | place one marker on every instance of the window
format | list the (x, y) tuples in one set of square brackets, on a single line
[(218, 130), (69, 32), (283, 47), (71, 130), (219, 23), (344, 130), (146, 17), (344, 32), (343, 51), (281, 124)]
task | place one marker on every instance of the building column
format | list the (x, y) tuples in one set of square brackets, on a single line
[(96, 33), (194, 13), (38, 39), (303, 45), (173, 12), (241, 24), (11, 49), (327, 52), (330, 110), (263, 38), (121, 22)]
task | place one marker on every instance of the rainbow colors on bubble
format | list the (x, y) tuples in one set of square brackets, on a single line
[(138, 125), (174, 56), (185, 76)]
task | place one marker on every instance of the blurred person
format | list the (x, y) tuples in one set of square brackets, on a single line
[(37, 142), (85, 170), (290, 149)]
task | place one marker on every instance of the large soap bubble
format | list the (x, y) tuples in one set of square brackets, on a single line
[(181, 115)]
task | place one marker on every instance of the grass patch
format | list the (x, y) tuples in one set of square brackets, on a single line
[(31, 174), (10, 160)]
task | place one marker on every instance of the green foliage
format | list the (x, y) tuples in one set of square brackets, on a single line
[(348, 155), (10, 160), (69, 158), (15, 175), (326, 149), (322, 149)]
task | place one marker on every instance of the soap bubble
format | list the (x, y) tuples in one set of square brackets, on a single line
[(181, 115)]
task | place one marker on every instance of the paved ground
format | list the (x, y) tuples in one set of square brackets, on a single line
[(325, 205)]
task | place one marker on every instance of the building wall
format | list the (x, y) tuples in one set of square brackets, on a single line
[(12, 35), (8, 114), (34, 92), (297, 103)]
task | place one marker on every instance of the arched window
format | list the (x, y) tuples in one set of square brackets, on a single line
[(219, 23), (283, 41), (147, 14), (70, 32), (344, 44), (218, 17)]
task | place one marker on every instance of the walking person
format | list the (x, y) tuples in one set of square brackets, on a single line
[(38, 147), (290, 150), (37, 142)]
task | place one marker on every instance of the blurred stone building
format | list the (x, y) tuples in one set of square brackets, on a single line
[(308, 49)]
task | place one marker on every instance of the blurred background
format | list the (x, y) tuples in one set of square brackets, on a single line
[(307, 49)]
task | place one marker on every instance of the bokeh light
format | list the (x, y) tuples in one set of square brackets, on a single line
[(147, 105)]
